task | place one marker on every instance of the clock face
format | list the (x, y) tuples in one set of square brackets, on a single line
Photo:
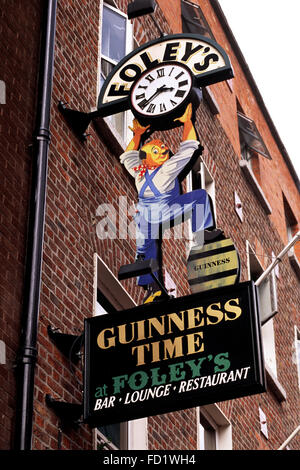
[(161, 90)]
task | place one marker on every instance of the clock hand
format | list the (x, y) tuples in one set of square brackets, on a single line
[(159, 90), (167, 89)]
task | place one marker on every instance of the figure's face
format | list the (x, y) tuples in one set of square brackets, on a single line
[(157, 152)]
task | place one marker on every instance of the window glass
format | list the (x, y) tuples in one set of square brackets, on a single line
[(193, 20), (110, 432), (267, 298), (250, 138), (292, 226), (298, 353), (113, 34), (116, 42)]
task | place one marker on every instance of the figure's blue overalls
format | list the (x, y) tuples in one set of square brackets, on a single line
[(160, 210)]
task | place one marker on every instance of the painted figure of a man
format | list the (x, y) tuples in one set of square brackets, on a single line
[(160, 201)]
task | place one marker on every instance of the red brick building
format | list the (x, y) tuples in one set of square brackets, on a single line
[(74, 276)]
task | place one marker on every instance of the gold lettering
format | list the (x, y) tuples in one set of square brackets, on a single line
[(140, 353), (179, 322), (193, 317), (155, 351), (160, 327), (122, 333), (170, 347), (101, 340), (141, 330), (193, 341), (214, 312), (232, 309)]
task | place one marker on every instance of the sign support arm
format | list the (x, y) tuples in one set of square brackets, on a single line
[(265, 274)]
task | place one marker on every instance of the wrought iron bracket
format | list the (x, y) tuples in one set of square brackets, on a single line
[(68, 344), (69, 413), (78, 121)]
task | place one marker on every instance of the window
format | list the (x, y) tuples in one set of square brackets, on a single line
[(251, 145), (214, 430), (116, 42), (290, 221), (109, 436), (193, 20), (200, 178), (297, 351), (267, 298), (2, 92), (292, 228), (109, 297), (250, 138), (207, 433)]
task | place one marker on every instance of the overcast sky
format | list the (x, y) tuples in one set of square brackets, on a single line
[(268, 33)]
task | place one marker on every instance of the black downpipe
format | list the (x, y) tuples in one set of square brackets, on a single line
[(28, 350)]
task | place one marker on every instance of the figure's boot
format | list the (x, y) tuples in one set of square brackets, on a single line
[(213, 235), (208, 236), (153, 294)]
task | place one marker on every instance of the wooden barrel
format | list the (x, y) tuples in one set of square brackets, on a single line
[(213, 265)]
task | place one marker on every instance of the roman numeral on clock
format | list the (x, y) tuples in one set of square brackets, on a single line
[(143, 103), (149, 78), (141, 96), (180, 93), (179, 75), (160, 73), (162, 107), (151, 108)]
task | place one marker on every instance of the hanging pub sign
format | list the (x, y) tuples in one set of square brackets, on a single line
[(177, 354), (213, 265), (156, 81)]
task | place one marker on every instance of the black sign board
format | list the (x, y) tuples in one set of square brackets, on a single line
[(177, 354)]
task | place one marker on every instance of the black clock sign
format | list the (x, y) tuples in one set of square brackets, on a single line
[(161, 91), (158, 79)]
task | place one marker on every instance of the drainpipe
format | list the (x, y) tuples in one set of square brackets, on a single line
[(28, 351)]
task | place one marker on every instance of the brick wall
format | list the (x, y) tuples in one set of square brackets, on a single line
[(19, 51), (81, 176)]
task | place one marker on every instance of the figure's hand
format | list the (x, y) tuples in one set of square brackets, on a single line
[(137, 128), (187, 115)]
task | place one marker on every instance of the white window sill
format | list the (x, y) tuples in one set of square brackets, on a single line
[(211, 100), (294, 262), (274, 386), (110, 135), (249, 175)]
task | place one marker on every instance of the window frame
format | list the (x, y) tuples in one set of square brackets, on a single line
[(248, 132), (202, 23), (297, 352), (117, 298), (292, 227), (126, 116), (207, 182), (219, 424), (267, 290), (100, 438)]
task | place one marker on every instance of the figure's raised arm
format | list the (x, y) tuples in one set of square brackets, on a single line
[(138, 130)]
